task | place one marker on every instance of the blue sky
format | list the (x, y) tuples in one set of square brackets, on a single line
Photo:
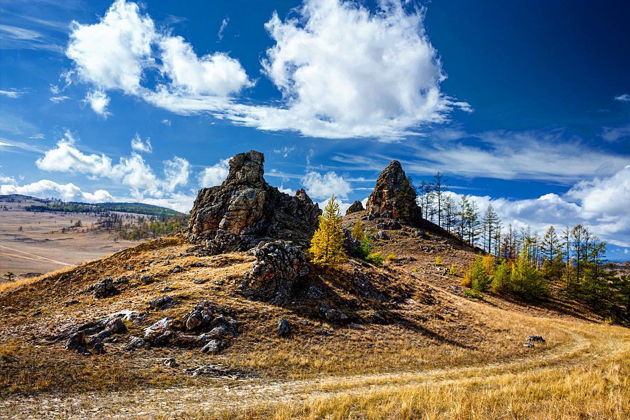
[(525, 105)]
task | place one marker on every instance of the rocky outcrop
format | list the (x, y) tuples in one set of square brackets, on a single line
[(245, 210), (394, 195), (278, 268), (355, 207)]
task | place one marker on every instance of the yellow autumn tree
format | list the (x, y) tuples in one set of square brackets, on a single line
[(358, 232), (327, 243)]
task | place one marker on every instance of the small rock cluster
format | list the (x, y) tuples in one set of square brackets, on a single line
[(207, 326), (90, 337)]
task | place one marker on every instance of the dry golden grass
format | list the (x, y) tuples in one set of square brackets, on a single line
[(587, 380), (439, 355)]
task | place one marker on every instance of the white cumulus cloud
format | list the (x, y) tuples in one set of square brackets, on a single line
[(140, 145), (343, 70), (323, 186), (131, 171), (50, 189), (214, 175), (98, 101)]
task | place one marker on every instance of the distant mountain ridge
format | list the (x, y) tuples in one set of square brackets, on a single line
[(42, 205)]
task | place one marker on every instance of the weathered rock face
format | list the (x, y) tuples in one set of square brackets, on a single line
[(355, 207), (278, 268), (393, 195), (245, 209)]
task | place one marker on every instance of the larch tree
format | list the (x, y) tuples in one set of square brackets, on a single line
[(489, 223), (327, 242), (438, 192)]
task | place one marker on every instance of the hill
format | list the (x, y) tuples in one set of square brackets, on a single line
[(231, 320), (39, 235), (49, 205)]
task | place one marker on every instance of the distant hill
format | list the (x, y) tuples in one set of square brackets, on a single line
[(53, 205)]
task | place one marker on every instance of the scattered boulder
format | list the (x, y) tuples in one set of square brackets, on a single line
[(135, 343), (160, 332), (92, 334), (214, 347), (278, 268), (355, 207), (333, 315), (528, 345), (315, 292), (147, 279), (77, 342), (105, 289), (284, 327), (163, 302), (536, 338), (382, 235), (394, 195), (244, 210), (170, 362), (176, 269), (217, 371), (388, 224)]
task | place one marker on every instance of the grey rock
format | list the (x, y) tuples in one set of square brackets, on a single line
[(394, 195), (279, 267), (284, 327), (105, 289), (170, 362), (147, 279), (163, 302), (383, 236), (213, 347), (158, 330), (315, 292), (77, 342), (244, 210), (536, 338), (528, 345), (333, 315), (135, 343), (355, 207)]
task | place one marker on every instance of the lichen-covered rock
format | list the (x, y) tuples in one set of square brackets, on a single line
[(244, 210), (105, 289), (355, 207), (278, 268), (394, 195)]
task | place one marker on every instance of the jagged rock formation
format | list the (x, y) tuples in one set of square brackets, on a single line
[(394, 196), (278, 268), (355, 207), (245, 210)]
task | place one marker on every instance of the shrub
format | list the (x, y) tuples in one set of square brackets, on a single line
[(375, 258), (472, 293), (438, 260), (526, 280), (453, 270), (476, 277), (358, 232), (501, 278), (390, 257), (488, 264)]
